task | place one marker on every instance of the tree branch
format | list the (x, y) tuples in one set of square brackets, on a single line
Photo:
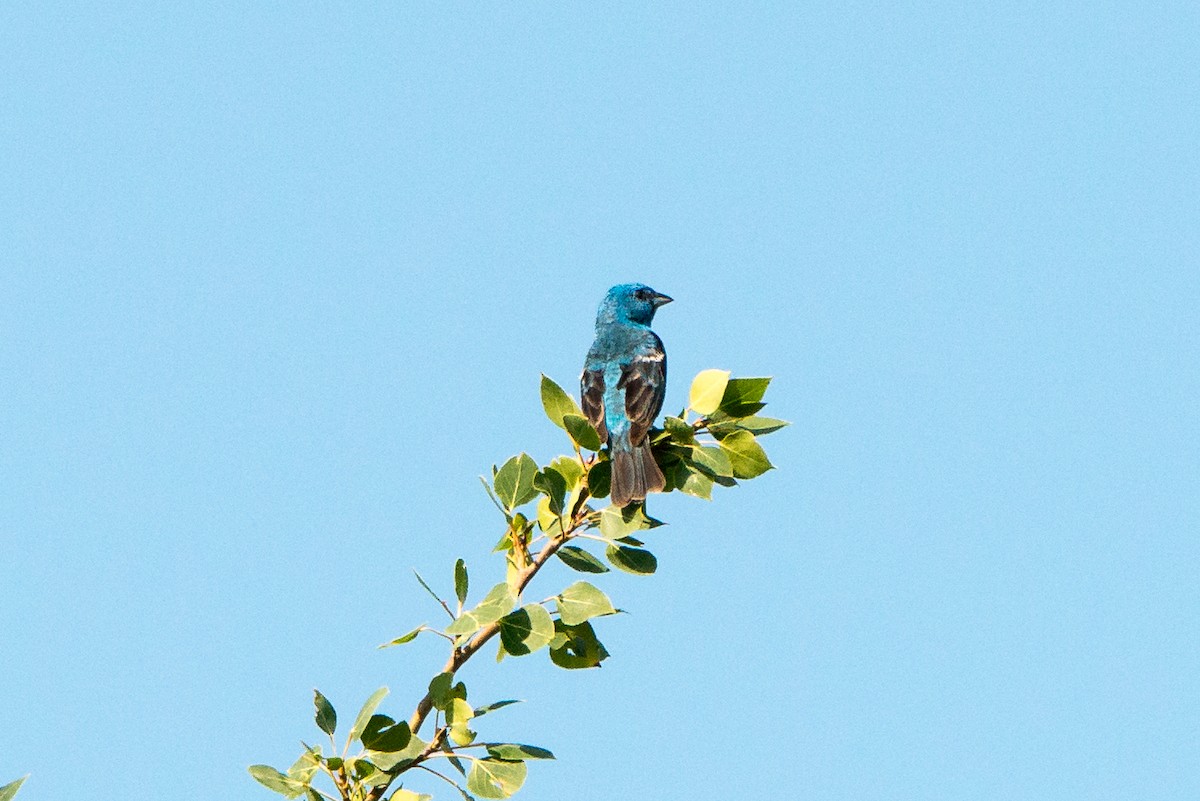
[(460, 655)]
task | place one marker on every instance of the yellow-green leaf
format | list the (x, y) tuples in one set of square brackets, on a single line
[(576, 647), (409, 795), (304, 768), (364, 714), (526, 630), (9, 790), (495, 778), (386, 761), (557, 403), (495, 605), (582, 432), (514, 481), (412, 635), (712, 459), (581, 602), (745, 455), (708, 387), (265, 775)]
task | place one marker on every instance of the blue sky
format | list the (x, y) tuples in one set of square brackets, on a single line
[(278, 283)]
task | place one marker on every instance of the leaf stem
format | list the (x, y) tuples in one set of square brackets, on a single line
[(441, 776)]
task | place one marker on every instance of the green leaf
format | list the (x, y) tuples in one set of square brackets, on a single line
[(389, 761), (746, 456), (367, 772), (492, 707), (495, 605), (496, 778), (516, 752), (441, 690), (461, 583), (673, 467), (458, 765), (743, 410), (385, 735), (617, 522), (697, 485), (576, 647), (326, 717), (547, 518), (569, 468), (364, 714), (742, 396), (554, 486), (581, 601), (313, 795), (265, 775), (526, 630), (761, 425), (632, 560), (714, 461), (582, 432), (514, 481), (304, 768), (679, 430), (600, 479), (505, 542), (9, 790), (429, 589), (412, 635), (557, 403), (708, 387), (578, 559)]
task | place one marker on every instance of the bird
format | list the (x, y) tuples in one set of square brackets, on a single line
[(622, 387)]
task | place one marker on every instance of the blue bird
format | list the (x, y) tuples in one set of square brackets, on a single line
[(622, 387)]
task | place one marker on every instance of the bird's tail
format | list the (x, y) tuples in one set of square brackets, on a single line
[(634, 473)]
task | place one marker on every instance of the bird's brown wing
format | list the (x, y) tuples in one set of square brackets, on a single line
[(644, 381), (591, 393)]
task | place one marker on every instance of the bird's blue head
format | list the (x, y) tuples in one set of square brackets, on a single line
[(630, 303)]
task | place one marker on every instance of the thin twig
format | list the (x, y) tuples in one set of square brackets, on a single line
[(339, 781), (453, 755), (321, 793)]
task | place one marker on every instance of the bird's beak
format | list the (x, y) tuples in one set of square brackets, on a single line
[(661, 300)]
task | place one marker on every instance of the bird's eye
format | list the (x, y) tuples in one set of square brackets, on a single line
[(642, 294)]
